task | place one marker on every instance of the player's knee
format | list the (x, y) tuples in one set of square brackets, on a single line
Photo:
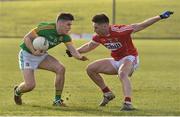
[(60, 70), (122, 75), (90, 69)]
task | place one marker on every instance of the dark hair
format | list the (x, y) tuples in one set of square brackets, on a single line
[(65, 16), (100, 18)]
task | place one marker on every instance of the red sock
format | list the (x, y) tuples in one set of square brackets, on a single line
[(105, 90), (127, 99)]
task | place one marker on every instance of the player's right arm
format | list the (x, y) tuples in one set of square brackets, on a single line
[(28, 42), (88, 47)]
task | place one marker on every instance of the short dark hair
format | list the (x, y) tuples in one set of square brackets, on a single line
[(65, 16), (100, 18)]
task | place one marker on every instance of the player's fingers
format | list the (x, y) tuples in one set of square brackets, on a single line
[(85, 59), (68, 53)]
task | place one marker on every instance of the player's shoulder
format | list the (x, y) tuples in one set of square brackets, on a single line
[(95, 36), (117, 26), (66, 36), (46, 25), (120, 27)]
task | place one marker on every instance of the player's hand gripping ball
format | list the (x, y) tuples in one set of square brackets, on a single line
[(40, 43)]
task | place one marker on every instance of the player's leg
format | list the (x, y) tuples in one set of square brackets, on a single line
[(102, 66), (125, 70), (27, 64), (26, 86), (51, 64), (29, 81)]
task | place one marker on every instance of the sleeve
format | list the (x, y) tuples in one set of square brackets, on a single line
[(42, 24), (126, 29), (67, 39), (122, 29), (39, 27), (34, 32), (95, 39)]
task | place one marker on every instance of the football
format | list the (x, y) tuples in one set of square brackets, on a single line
[(40, 43)]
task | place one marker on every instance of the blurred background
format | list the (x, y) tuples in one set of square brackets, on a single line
[(17, 17)]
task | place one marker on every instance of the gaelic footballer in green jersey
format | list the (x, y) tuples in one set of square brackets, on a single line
[(31, 59), (48, 30)]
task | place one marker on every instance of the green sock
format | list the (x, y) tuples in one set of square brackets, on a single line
[(58, 95), (18, 92)]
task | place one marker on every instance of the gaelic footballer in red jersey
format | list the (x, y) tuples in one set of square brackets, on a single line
[(119, 41), (116, 38)]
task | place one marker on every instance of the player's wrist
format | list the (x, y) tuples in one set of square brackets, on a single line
[(32, 50), (161, 16), (81, 57)]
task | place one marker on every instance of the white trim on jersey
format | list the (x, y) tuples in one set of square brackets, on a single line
[(95, 42)]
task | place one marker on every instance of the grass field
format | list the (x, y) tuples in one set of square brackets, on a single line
[(156, 84), (18, 17)]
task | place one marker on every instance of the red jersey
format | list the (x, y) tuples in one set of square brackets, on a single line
[(119, 41)]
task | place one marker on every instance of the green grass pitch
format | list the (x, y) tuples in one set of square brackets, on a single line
[(156, 84)]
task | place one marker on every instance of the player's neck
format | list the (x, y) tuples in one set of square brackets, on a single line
[(105, 34)]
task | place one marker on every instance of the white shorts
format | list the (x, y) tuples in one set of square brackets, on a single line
[(29, 61), (133, 59)]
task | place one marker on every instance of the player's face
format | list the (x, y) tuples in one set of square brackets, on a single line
[(63, 26), (101, 29)]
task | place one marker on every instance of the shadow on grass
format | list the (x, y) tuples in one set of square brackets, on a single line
[(85, 110), (108, 110)]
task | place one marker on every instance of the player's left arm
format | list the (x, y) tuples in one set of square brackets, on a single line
[(146, 23), (74, 52)]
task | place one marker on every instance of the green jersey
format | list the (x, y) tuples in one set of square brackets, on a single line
[(48, 30)]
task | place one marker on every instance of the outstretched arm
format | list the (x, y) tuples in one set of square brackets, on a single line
[(84, 48), (142, 25), (87, 47)]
